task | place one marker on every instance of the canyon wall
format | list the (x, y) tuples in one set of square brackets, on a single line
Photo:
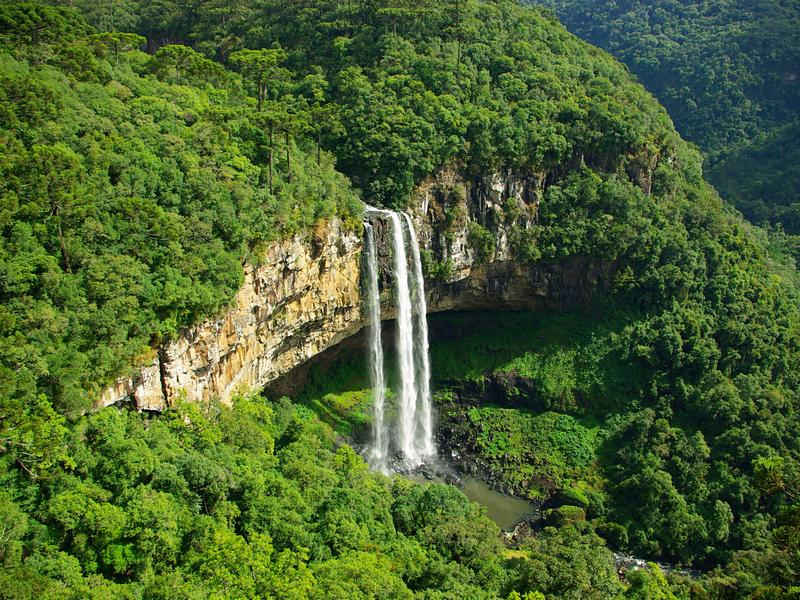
[(305, 296)]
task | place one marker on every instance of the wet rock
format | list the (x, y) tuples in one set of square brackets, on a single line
[(452, 479)]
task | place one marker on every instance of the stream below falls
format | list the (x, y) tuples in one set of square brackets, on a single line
[(506, 511)]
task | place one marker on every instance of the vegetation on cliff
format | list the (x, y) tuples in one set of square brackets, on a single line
[(761, 179), (727, 73), (396, 91), (133, 186), (256, 501), (548, 406)]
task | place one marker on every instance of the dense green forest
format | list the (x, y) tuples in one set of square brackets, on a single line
[(257, 502), (134, 184), (760, 178), (132, 188), (727, 73)]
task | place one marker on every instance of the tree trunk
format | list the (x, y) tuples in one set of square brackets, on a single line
[(458, 34), (458, 61), (288, 163), (271, 127), (64, 254)]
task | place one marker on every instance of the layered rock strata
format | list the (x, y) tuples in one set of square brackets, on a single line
[(305, 296), (302, 299)]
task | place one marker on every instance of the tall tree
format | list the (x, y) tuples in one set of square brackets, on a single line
[(262, 68)]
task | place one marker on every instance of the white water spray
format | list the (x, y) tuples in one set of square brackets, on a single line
[(379, 452), (424, 437), (405, 345), (414, 436)]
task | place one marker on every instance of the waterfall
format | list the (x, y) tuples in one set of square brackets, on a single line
[(414, 431), (379, 451), (424, 439), (405, 344)]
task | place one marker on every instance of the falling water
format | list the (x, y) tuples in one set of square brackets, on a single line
[(405, 345), (424, 436), (379, 451), (414, 423)]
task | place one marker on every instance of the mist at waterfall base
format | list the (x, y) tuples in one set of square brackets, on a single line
[(408, 443)]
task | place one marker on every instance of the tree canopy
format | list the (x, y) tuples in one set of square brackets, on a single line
[(133, 186), (726, 72)]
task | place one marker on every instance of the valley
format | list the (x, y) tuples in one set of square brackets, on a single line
[(256, 256)]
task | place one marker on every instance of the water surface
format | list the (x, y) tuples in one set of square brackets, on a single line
[(504, 510)]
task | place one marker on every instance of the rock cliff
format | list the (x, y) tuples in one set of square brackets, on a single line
[(305, 295), (302, 298)]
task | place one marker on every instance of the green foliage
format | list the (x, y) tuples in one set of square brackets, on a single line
[(685, 477), (524, 243), (339, 394), (761, 178), (564, 515), (530, 453), (179, 64), (36, 24), (117, 43), (129, 204), (434, 270), (347, 412), (725, 72), (481, 241), (252, 501), (721, 69), (132, 187), (483, 84), (649, 584), (570, 563), (566, 362), (686, 473), (261, 68)]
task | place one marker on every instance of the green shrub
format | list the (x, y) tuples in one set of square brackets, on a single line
[(481, 241)]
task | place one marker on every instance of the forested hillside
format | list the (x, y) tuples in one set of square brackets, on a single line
[(727, 72), (132, 186), (762, 180), (403, 90)]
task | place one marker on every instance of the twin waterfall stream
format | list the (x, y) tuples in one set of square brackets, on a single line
[(413, 431), (403, 438)]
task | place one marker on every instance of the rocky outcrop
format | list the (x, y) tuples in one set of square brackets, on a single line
[(478, 243), (479, 248), (302, 299)]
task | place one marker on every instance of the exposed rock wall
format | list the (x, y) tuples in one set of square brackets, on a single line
[(305, 297), (447, 210), (302, 299)]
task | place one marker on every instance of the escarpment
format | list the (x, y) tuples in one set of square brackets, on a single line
[(302, 298), (305, 295)]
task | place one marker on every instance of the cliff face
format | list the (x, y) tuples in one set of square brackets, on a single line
[(479, 236), (303, 299), (305, 296)]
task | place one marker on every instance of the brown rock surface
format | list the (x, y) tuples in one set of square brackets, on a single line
[(305, 295), (302, 299)]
